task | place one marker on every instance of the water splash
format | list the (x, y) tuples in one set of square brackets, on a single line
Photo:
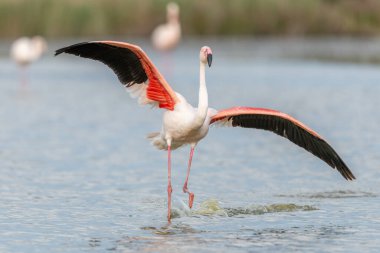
[(179, 208), (273, 208), (211, 207)]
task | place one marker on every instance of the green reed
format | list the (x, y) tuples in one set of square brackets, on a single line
[(61, 18)]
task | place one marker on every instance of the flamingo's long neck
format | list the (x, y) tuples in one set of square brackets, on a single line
[(203, 96)]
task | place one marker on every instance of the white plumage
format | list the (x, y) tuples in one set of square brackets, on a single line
[(167, 36), (26, 50)]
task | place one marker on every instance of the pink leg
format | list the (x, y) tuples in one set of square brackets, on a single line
[(24, 76), (185, 189), (169, 183)]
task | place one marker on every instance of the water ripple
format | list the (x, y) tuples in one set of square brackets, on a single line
[(332, 195)]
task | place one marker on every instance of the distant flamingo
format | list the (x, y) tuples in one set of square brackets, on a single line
[(184, 124), (167, 36), (27, 50)]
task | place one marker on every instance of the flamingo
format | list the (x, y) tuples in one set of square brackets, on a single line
[(185, 125), (166, 37), (26, 50)]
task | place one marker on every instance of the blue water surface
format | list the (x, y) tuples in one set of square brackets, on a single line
[(78, 174)]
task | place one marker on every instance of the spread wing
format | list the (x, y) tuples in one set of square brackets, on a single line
[(285, 126), (133, 68)]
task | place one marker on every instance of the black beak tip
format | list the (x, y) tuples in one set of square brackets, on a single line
[(209, 59)]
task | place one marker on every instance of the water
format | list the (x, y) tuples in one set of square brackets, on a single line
[(78, 175)]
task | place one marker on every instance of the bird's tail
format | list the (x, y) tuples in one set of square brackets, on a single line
[(157, 140)]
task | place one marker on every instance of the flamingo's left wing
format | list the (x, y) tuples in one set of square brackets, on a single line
[(285, 126), (133, 68)]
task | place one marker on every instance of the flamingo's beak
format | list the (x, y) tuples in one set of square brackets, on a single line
[(209, 59)]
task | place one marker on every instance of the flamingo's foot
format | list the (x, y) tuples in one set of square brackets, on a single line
[(191, 195), (184, 189), (191, 199)]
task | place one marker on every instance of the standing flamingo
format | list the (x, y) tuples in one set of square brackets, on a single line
[(167, 36), (184, 124), (27, 50)]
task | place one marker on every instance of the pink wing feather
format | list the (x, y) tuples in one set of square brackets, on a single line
[(132, 66), (285, 126)]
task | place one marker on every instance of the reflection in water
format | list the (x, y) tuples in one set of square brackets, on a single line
[(188, 239), (168, 238), (171, 229)]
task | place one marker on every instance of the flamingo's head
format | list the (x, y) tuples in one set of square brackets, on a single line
[(39, 44), (172, 12), (205, 55)]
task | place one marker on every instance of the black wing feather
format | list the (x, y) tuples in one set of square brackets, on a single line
[(295, 134), (123, 61)]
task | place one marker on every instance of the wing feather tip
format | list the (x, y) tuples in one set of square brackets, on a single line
[(65, 49)]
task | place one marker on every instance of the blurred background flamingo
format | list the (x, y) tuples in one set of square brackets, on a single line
[(25, 51), (166, 37)]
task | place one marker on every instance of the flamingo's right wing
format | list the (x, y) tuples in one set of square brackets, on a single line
[(133, 68), (285, 126)]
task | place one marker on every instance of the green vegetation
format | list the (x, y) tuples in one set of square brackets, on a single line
[(60, 18)]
